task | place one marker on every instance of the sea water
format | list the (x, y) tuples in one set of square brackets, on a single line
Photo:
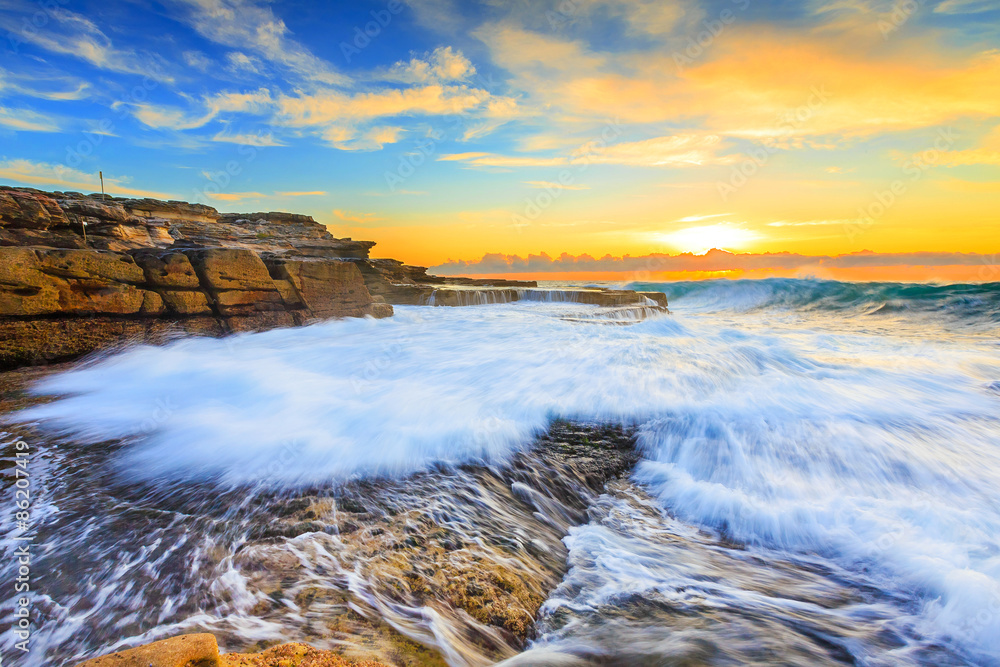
[(819, 481)]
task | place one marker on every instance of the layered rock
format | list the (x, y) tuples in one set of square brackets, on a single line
[(607, 298), (58, 219), (59, 303), (80, 272), (481, 547)]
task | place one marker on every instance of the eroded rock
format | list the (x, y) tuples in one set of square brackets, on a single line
[(199, 650), (482, 547)]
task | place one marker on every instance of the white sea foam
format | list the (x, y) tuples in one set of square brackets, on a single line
[(870, 450)]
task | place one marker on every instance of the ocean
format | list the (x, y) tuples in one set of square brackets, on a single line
[(818, 483)]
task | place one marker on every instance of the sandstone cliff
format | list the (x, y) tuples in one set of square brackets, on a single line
[(78, 273), (83, 272)]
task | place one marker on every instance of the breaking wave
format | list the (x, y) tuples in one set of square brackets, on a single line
[(875, 454)]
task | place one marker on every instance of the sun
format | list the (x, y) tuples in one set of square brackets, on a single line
[(699, 240)]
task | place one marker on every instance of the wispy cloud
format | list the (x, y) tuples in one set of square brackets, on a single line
[(57, 175), (72, 34), (248, 25), (25, 120), (235, 196), (314, 193), (684, 150), (549, 185), (443, 65), (965, 6), (211, 107), (260, 140), (361, 218)]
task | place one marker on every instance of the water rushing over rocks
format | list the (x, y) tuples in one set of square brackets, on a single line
[(445, 567), (750, 480)]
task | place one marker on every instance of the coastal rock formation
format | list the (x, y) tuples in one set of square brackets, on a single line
[(59, 303), (84, 272), (481, 547), (80, 273)]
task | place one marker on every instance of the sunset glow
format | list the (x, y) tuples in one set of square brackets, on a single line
[(449, 130)]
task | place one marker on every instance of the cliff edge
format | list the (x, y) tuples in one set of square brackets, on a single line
[(84, 272)]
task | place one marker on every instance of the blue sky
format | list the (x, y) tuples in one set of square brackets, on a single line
[(452, 128)]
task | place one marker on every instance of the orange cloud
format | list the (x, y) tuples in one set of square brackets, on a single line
[(756, 82), (347, 216)]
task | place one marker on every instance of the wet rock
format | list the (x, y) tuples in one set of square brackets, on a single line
[(294, 655), (45, 281), (199, 650), (146, 261), (27, 342), (481, 547), (658, 297)]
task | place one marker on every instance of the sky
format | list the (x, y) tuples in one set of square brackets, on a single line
[(475, 136)]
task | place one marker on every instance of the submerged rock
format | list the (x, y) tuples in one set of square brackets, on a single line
[(293, 655), (476, 549)]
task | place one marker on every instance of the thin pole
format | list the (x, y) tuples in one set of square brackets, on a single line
[(101, 174)]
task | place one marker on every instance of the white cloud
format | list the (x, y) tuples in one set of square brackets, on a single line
[(260, 140), (682, 150), (72, 34), (43, 85), (24, 120), (966, 6), (334, 107), (57, 175), (360, 218), (241, 63), (343, 119), (549, 185), (197, 60), (251, 102), (679, 150), (443, 65), (244, 24), (373, 139)]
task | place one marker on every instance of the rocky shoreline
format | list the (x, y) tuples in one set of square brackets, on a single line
[(479, 547), (486, 572), (84, 273), (80, 273)]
